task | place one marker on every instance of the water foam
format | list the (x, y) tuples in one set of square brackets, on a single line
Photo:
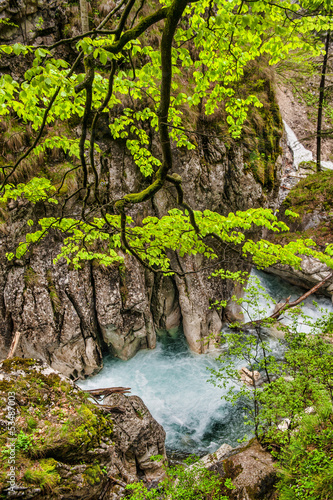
[(172, 381)]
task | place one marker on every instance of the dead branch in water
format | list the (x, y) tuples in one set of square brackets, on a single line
[(288, 305), (285, 306), (107, 391)]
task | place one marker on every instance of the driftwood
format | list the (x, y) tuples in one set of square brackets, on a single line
[(107, 391), (14, 344), (288, 305)]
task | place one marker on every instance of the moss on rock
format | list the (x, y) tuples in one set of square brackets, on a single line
[(315, 192), (312, 199), (62, 440)]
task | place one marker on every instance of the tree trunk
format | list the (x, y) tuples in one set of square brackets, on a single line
[(84, 16), (321, 100)]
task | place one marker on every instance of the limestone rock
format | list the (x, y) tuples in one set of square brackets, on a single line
[(274, 330), (311, 273), (217, 456), (251, 470), (249, 378), (67, 317), (138, 437)]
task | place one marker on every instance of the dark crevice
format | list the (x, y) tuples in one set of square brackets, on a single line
[(76, 308), (99, 333)]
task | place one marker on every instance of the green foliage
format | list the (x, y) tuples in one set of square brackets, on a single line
[(23, 442), (190, 482), (44, 475), (211, 47), (280, 406), (306, 470)]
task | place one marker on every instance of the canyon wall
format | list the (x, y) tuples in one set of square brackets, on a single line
[(69, 317)]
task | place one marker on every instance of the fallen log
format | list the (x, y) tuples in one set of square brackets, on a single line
[(288, 305), (284, 307), (107, 391)]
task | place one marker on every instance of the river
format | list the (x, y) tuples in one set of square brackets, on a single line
[(172, 381)]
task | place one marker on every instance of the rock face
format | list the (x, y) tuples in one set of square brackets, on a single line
[(251, 469), (67, 447), (138, 437), (70, 318), (66, 317), (311, 273)]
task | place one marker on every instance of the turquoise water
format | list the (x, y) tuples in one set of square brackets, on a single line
[(172, 381)]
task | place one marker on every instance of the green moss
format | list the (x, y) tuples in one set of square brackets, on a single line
[(263, 128), (31, 278), (13, 364), (57, 423), (32, 423), (43, 474), (315, 192), (54, 297), (93, 474)]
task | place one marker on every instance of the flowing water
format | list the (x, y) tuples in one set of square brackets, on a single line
[(172, 381)]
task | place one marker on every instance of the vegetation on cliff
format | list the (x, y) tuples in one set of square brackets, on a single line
[(150, 93), (312, 200), (288, 397)]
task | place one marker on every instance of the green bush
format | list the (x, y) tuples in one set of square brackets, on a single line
[(192, 482), (307, 462)]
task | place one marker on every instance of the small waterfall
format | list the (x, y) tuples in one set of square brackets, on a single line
[(300, 153)]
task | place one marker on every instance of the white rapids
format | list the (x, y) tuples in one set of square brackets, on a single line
[(172, 381)]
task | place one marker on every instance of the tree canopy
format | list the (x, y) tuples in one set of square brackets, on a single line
[(146, 67)]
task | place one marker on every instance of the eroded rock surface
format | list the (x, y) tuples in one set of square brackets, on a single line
[(138, 437), (310, 274), (70, 318)]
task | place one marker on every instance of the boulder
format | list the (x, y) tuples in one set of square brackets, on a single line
[(250, 468), (138, 437), (68, 447)]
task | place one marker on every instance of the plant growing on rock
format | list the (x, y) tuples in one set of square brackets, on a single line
[(189, 482), (52, 457), (290, 408)]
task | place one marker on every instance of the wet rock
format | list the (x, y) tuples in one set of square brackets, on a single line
[(274, 330), (310, 274)]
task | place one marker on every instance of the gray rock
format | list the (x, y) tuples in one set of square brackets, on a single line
[(138, 437)]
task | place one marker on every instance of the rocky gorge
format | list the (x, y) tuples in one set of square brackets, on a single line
[(64, 314), (71, 320)]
